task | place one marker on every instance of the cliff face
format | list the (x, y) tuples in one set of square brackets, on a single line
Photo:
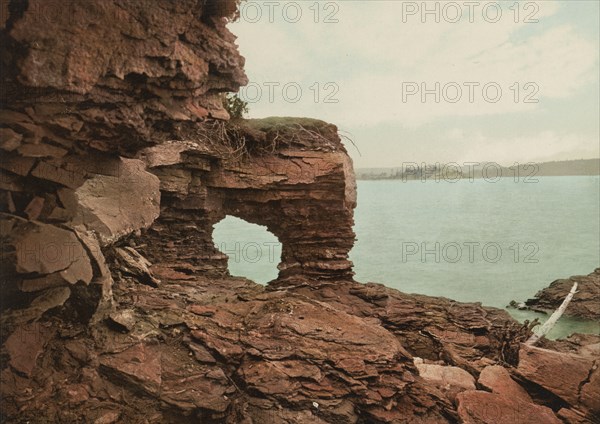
[(117, 161), (102, 98), (85, 86), (116, 75)]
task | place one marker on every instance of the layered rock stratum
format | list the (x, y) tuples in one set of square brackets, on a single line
[(117, 160)]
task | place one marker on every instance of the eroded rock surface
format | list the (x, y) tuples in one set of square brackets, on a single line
[(479, 407), (497, 379), (572, 377), (229, 350), (117, 162), (85, 86), (291, 176)]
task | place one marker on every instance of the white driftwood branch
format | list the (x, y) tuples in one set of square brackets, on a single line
[(548, 325)]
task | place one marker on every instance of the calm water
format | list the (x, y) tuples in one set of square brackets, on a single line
[(253, 251), (469, 241)]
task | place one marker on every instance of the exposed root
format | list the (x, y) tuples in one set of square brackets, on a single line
[(347, 137)]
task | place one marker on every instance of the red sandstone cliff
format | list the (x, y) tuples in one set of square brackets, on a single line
[(117, 160)]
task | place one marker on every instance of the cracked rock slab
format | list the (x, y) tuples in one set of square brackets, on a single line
[(497, 379), (567, 375), (46, 249), (478, 407), (25, 345), (113, 206)]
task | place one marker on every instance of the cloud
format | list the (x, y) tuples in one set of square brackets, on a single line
[(456, 144), (371, 57), (546, 146)]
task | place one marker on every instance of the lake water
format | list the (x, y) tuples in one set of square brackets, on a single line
[(473, 241)]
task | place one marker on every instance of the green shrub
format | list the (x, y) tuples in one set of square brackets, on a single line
[(236, 107)]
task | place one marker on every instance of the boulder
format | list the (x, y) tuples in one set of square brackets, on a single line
[(132, 263), (445, 376), (114, 206), (497, 379), (572, 377), (450, 380), (478, 407), (46, 249), (124, 319)]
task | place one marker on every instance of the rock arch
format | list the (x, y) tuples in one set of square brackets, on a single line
[(303, 191)]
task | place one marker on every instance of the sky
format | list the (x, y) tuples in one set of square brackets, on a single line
[(431, 81)]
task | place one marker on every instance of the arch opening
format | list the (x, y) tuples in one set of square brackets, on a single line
[(254, 252)]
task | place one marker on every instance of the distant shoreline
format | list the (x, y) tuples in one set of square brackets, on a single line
[(412, 171)]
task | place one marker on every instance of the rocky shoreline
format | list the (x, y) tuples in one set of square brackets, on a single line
[(232, 351), (585, 304), (118, 158)]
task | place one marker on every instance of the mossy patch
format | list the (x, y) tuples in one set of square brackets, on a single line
[(275, 123)]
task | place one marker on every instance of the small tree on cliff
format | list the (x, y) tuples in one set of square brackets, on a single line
[(236, 107)]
